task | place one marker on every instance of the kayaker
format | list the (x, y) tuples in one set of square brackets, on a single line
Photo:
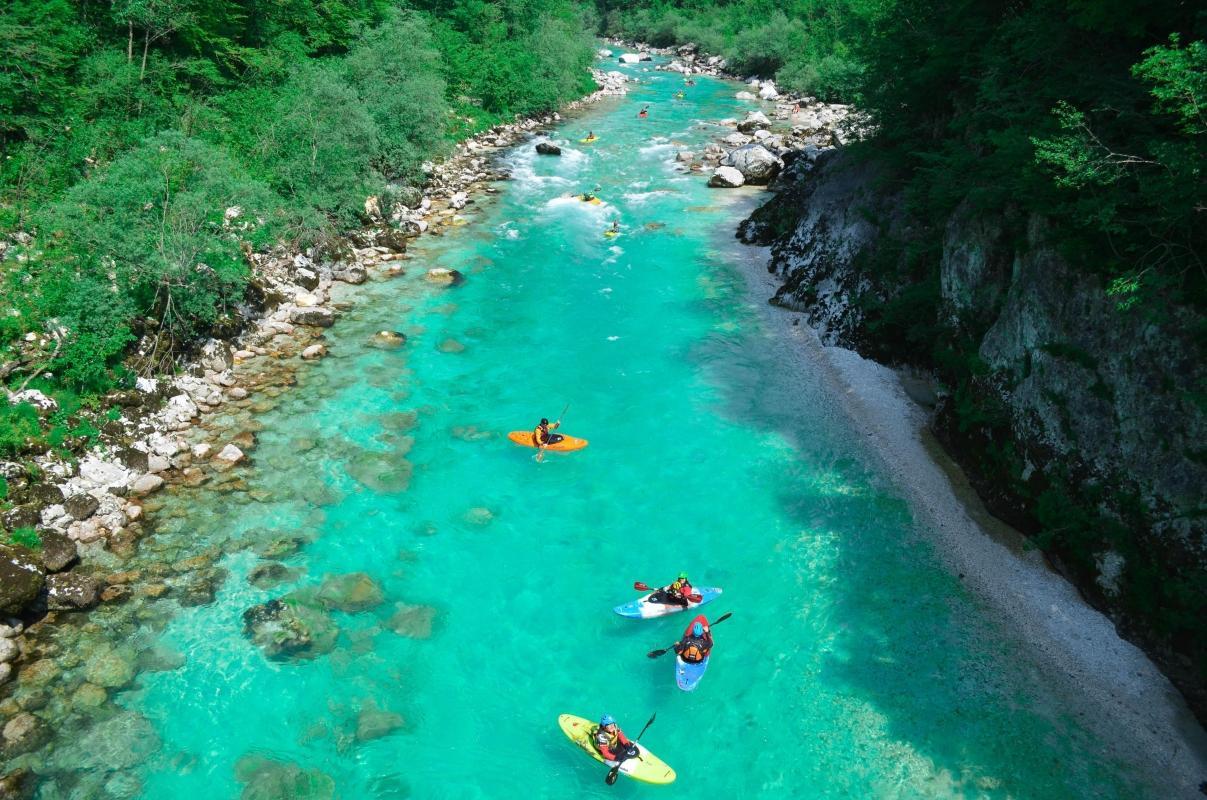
[(590, 136), (611, 742), (643, 113), (696, 646), (542, 434), (615, 229), (677, 592)]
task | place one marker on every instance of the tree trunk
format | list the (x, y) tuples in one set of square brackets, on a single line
[(129, 41), (146, 45)]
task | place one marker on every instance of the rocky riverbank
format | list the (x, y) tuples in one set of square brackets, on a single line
[(90, 513)]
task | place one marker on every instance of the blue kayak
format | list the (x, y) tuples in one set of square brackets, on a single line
[(642, 608), (687, 673)]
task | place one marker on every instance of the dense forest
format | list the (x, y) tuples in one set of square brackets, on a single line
[(129, 127)]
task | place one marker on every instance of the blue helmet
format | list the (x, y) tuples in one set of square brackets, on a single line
[(606, 720), (697, 629)]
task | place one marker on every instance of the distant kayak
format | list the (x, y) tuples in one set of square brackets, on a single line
[(642, 608), (595, 201), (589, 140), (566, 445), (648, 768), (687, 674), (610, 233)]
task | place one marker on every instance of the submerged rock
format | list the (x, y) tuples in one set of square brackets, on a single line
[(388, 340), (444, 276), (267, 779), (293, 626), (24, 733), (381, 472), (110, 667), (374, 723), (412, 621), (353, 592), (451, 346), (548, 149), (269, 574), (121, 741)]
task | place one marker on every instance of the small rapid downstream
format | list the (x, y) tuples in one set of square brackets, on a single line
[(854, 665)]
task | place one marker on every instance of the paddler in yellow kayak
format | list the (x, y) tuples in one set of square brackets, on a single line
[(611, 742)]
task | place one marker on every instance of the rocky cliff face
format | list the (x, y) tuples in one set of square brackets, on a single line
[(1079, 421)]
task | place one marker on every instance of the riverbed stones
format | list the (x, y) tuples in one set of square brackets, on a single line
[(293, 626), (442, 276), (229, 455), (548, 149), (268, 574), (71, 591), (146, 484), (121, 741), (353, 274), (726, 178), (317, 316), (451, 346), (266, 779), (412, 621), (21, 578), (757, 164), (353, 592), (24, 733), (374, 723), (58, 552), (313, 352), (110, 667), (755, 120), (388, 340), (81, 506)]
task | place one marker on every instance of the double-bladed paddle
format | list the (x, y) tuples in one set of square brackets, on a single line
[(540, 455), (641, 587), (663, 651), (614, 772)]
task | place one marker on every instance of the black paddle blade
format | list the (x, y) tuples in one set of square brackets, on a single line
[(657, 653), (612, 775), (722, 618)]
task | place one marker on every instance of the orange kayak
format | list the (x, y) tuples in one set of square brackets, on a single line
[(566, 445)]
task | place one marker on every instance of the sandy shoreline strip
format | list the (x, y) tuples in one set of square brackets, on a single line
[(1123, 696)]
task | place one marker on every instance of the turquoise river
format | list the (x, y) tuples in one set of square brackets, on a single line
[(855, 665)]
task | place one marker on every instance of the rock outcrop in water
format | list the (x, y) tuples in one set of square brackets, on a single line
[(1074, 417)]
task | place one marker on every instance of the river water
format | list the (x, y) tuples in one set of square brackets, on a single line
[(854, 664)]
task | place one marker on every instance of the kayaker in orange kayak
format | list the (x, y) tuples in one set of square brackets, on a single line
[(643, 113), (542, 434), (696, 646)]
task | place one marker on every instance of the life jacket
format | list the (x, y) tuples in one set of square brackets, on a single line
[(540, 435), (606, 742), (680, 587), (694, 650)]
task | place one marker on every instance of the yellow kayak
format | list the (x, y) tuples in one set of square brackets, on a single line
[(595, 201), (610, 233), (566, 445), (588, 141), (648, 768)]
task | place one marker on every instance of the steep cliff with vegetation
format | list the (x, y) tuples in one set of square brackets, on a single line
[(1027, 223)]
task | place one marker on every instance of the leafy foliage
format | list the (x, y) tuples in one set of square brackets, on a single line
[(128, 128)]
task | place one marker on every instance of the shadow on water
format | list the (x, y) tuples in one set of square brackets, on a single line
[(901, 649)]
